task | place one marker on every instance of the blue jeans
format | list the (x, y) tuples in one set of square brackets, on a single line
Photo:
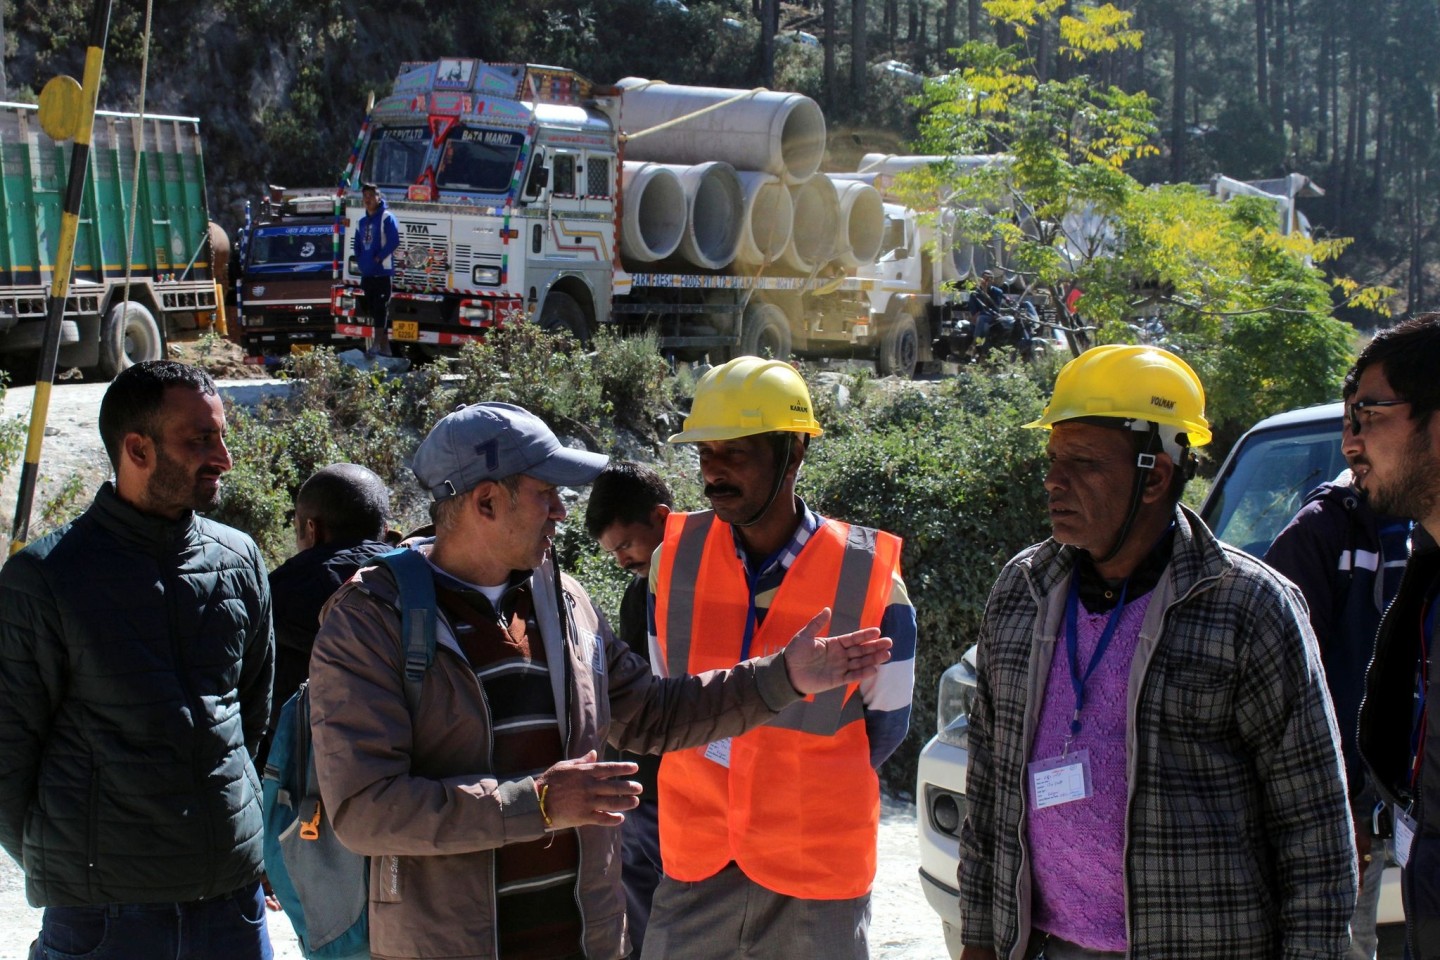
[(224, 928)]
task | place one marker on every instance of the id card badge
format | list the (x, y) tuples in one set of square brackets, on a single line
[(1059, 780), (719, 752), (1404, 835)]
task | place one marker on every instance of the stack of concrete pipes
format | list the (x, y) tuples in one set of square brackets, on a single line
[(732, 180), (962, 258)]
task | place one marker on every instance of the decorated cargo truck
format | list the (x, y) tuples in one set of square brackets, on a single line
[(171, 287), (526, 191), (289, 253)]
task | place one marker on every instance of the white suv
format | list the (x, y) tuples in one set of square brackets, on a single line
[(1260, 486)]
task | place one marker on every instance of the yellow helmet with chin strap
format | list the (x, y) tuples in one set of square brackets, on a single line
[(748, 396), (1142, 389), (1128, 382)]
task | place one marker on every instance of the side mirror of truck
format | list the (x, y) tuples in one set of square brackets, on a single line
[(539, 179)]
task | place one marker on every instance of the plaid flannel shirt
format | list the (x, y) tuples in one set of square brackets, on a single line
[(1238, 839)]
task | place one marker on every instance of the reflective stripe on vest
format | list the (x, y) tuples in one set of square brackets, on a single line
[(798, 807)]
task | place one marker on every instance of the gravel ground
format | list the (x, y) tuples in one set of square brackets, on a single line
[(903, 926)]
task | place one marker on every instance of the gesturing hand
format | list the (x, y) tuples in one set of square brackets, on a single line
[(816, 664), (581, 792)]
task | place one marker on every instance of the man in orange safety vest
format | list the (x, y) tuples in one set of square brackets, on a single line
[(769, 838)]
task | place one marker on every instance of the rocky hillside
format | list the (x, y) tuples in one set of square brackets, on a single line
[(281, 86)]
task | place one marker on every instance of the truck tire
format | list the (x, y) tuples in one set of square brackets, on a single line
[(562, 314), (766, 332), (899, 350), (128, 335)]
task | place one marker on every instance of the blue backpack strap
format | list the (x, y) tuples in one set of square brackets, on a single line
[(417, 616)]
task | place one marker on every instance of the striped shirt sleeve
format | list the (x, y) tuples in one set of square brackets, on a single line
[(887, 695)]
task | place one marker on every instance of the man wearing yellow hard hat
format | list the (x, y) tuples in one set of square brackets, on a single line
[(768, 838), (1154, 765)]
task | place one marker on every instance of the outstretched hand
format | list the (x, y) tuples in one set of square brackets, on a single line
[(816, 664), (583, 792)]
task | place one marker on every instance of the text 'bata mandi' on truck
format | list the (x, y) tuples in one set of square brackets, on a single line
[(171, 286), (697, 213)]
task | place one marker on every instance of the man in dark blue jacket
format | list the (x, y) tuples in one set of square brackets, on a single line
[(1394, 448), (1346, 559), (377, 237), (340, 520), (135, 667)]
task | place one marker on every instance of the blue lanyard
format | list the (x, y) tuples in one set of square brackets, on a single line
[(752, 616), (1072, 645)]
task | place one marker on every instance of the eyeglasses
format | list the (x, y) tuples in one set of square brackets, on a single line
[(1355, 408)]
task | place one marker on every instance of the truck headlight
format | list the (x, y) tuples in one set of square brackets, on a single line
[(486, 276), (952, 705)]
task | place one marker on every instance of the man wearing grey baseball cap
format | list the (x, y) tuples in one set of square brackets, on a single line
[(489, 821)]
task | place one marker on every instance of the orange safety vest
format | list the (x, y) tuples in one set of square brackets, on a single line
[(798, 808)]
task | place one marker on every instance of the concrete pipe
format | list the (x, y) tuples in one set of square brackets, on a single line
[(715, 207), (655, 212), (892, 163), (779, 133), (816, 237), (862, 219), (769, 218)]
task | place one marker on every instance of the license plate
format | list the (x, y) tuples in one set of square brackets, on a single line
[(405, 330), (296, 348)]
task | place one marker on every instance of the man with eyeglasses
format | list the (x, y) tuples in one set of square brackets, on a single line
[(1393, 446), (1347, 560)]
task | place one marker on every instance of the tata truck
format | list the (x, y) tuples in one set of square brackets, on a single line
[(108, 322), (289, 254), (526, 192)]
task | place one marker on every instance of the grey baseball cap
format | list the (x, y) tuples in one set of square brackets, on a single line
[(491, 441)]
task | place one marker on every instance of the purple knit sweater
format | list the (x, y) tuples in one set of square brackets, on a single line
[(1077, 849)]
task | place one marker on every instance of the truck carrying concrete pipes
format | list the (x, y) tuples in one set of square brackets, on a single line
[(171, 281), (698, 213)]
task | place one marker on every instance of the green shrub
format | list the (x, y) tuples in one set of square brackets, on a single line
[(950, 470), (12, 438), (336, 412)]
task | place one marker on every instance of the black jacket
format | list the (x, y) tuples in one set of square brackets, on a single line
[(135, 667), (299, 588), (1347, 561), (1386, 721)]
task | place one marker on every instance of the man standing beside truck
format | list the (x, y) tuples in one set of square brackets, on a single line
[(1154, 764), (377, 237)]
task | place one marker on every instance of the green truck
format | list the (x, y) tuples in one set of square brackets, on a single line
[(171, 273)]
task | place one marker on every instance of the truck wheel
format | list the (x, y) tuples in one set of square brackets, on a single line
[(128, 335), (561, 313), (766, 332), (899, 348)]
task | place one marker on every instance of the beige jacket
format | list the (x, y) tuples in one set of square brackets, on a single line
[(417, 795)]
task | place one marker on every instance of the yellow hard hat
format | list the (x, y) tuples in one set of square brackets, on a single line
[(748, 396), (1128, 382)]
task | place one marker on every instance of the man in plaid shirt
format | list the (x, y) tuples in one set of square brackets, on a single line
[(1154, 765)]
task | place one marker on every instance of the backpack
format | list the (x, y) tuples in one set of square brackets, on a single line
[(323, 886)]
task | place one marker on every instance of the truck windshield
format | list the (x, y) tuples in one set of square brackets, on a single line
[(298, 249), (478, 159), (395, 156)]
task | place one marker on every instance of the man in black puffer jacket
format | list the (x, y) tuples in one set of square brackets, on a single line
[(135, 669), (340, 518)]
